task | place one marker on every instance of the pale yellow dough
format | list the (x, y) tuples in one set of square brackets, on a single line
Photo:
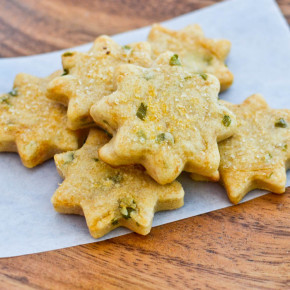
[(197, 53), (108, 197)]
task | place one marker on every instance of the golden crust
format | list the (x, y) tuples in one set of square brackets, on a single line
[(90, 76), (32, 125), (199, 54), (258, 155), (108, 197), (182, 125)]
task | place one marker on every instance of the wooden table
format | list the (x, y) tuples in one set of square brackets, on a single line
[(238, 247)]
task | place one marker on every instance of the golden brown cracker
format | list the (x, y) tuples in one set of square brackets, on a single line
[(108, 197), (89, 76), (199, 54), (258, 155), (166, 119), (33, 125)]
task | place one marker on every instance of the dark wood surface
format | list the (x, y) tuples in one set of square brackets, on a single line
[(245, 246)]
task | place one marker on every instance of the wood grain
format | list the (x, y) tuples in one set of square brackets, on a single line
[(245, 246), (31, 26)]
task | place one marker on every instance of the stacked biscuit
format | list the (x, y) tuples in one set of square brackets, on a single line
[(143, 113)]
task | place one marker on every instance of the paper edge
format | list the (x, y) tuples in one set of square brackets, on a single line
[(284, 24)]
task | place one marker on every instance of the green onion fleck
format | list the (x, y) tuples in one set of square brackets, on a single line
[(13, 93), (5, 100), (227, 120), (165, 137), (68, 53), (127, 47), (208, 59), (70, 156), (142, 136), (174, 60), (281, 123), (65, 72), (204, 76), (126, 212), (270, 175), (114, 222), (116, 178), (141, 112), (126, 207), (160, 138)]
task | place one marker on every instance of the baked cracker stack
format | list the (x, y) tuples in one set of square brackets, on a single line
[(123, 122)]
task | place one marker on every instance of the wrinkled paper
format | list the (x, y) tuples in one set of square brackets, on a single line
[(260, 61)]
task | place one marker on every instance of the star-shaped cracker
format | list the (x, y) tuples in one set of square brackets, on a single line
[(108, 197), (258, 155), (166, 119), (33, 125), (199, 54), (89, 76)]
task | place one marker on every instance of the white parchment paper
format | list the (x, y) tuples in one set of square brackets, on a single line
[(260, 61)]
